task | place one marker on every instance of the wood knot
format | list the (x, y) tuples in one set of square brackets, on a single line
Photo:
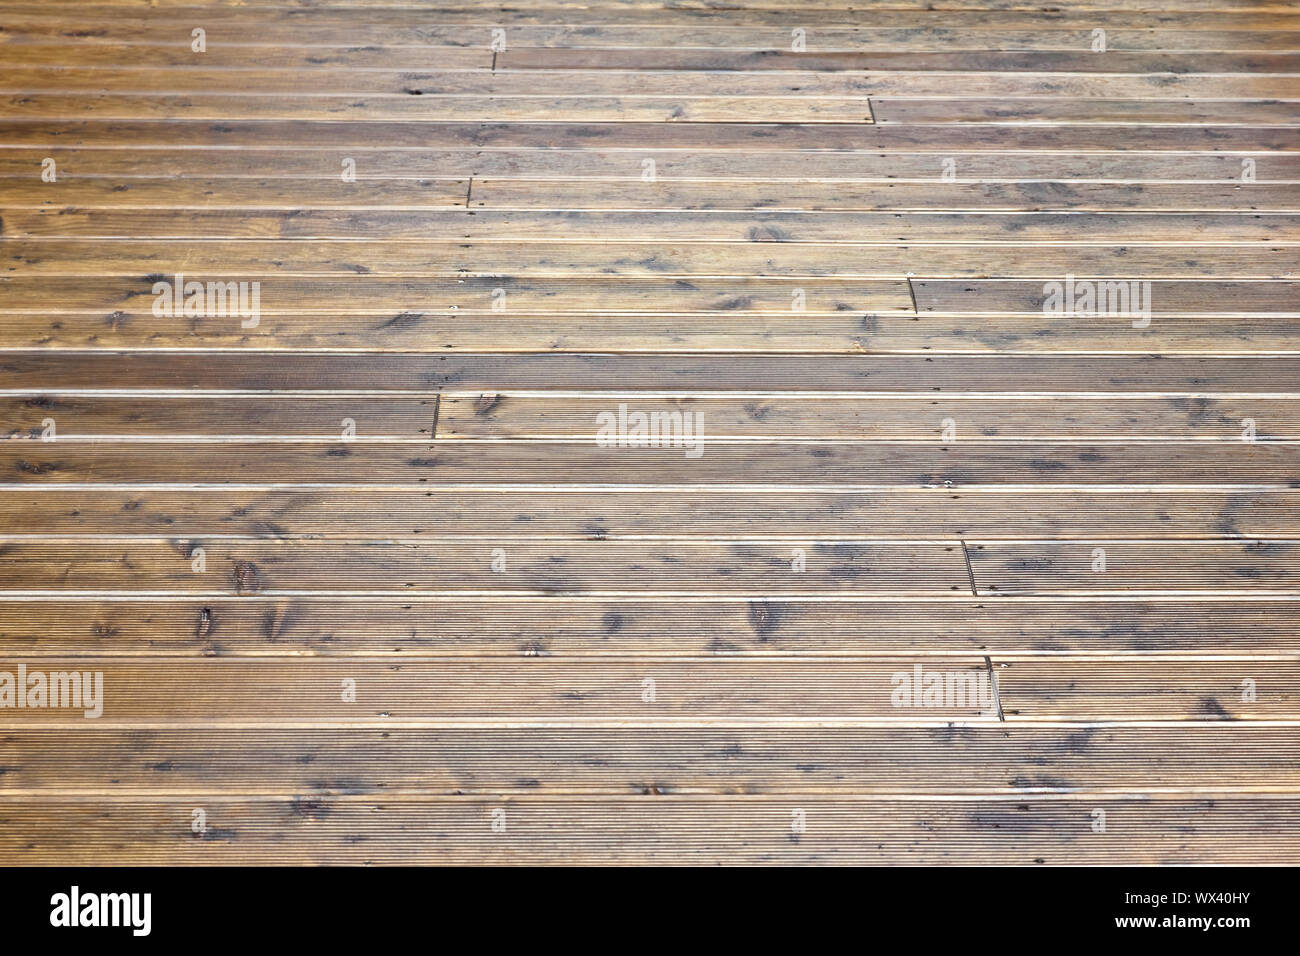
[(245, 577)]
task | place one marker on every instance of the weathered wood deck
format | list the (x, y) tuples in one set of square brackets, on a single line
[(365, 583)]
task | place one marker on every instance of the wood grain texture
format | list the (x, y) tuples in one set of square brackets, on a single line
[(507, 565), (1032, 511), (522, 462), (361, 134), (732, 331), (493, 373), (559, 415), (385, 756), (150, 691), (695, 266), (570, 169), (321, 75), (660, 830), (1038, 567), (521, 193), (1252, 690), (679, 225), (1206, 627), (358, 571)]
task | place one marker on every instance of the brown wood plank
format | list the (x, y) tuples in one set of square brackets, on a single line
[(512, 416), (1040, 567), (531, 415), (1081, 61), (32, 50), (1073, 690), (913, 16), (509, 565), (67, 627), (1032, 512), (385, 757), (414, 103), (564, 168), (136, 70), (1101, 112), (383, 134), (417, 104), (974, 296), (417, 108), (1189, 376), (632, 28), (770, 195), (780, 195), (452, 693), (1238, 60), (398, 298), (677, 225), (665, 830), (544, 274), (822, 332), (524, 462), (247, 415)]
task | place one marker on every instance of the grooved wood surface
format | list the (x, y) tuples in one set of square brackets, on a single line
[(644, 432)]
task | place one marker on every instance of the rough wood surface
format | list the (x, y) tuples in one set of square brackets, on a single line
[(909, 563)]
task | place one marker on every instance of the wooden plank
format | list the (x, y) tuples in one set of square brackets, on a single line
[(427, 83), (417, 108), (975, 296), (42, 50), (508, 565), (768, 195), (130, 71), (403, 35), (68, 627), (987, 58), (677, 225), (398, 298), (1038, 567), (1073, 690), (387, 757), (164, 193), (669, 830), (542, 274), (966, 19), (562, 167), (596, 27), (1082, 61), (813, 137), (820, 333), (246, 415), (524, 462), (674, 333), (54, 370), (1105, 112), (781, 195), (509, 416), (496, 415), (454, 693), (1033, 511), (415, 104)]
